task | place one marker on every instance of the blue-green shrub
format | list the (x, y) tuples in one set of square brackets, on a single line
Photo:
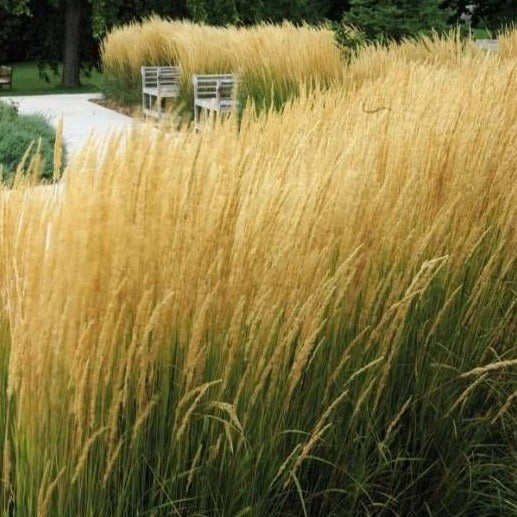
[(8, 112), (17, 133)]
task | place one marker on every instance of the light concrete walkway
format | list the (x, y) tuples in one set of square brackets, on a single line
[(81, 118), (492, 45)]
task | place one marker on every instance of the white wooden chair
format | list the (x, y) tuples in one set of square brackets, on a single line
[(158, 84), (214, 93)]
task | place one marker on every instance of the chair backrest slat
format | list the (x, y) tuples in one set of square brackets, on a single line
[(214, 85), (156, 76)]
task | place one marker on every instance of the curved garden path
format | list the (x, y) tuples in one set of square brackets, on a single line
[(81, 118)]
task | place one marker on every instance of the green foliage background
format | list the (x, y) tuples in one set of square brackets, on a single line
[(396, 19)]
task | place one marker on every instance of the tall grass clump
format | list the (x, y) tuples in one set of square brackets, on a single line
[(272, 61), (314, 315), (508, 42), (375, 60)]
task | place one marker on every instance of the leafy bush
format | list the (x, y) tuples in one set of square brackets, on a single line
[(36, 124), (8, 112), (387, 19), (18, 133)]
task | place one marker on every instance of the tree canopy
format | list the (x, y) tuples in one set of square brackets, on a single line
[(69, 31), (395, 19)]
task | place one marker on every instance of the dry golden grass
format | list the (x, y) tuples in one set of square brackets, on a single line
[(508, 43), (264, 56), (274, 62), (189, 229), (375, 61), (238, 257)]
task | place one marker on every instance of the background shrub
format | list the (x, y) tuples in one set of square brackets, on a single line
[(8, 112), (17, 134), (396, 19)]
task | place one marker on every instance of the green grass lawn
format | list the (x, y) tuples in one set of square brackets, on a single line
[(481, 33), (27, 81)]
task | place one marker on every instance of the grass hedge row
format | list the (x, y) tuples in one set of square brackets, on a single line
[(273, 62)]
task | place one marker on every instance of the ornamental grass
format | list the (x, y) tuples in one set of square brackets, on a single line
[(314, 314), (272, 61)]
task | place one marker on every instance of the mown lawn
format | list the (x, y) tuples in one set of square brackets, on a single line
[(481, 33), (28, 81)]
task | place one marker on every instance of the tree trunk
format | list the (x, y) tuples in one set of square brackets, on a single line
[(72, 63)]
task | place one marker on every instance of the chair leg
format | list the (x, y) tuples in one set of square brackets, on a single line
[(146, 104), (161, 108), (152, 106)]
